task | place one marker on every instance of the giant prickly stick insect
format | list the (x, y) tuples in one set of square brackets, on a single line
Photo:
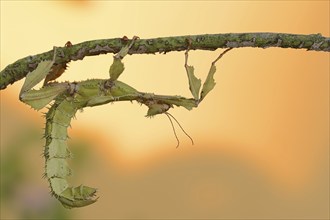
[(70, 97)]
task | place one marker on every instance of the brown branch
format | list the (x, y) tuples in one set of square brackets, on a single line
[(20, 68)]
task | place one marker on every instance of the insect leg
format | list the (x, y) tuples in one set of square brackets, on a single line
[(209, 82), (194, 82), (117, 67)]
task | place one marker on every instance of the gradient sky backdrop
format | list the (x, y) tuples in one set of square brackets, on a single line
[(265, 126)]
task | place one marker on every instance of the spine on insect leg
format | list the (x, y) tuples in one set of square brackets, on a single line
[(56, 154)]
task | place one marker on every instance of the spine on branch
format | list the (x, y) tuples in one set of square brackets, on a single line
[(20, 68)]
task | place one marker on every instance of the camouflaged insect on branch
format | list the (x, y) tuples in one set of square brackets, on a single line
[(68, 97)]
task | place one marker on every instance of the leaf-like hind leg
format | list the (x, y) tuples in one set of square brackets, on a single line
[(34, 77), (38, 99), (194, 82), (117, 67), (209, 82)]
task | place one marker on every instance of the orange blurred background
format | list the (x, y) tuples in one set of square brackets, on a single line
[(261, 136)]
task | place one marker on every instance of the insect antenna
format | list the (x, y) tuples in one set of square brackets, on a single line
[(177, 139), (171, 116)]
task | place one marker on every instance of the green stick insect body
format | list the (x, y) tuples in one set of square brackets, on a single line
[(71, 97), (88, 93)]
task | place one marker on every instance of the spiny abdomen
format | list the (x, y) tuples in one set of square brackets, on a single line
[(56, 154)]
